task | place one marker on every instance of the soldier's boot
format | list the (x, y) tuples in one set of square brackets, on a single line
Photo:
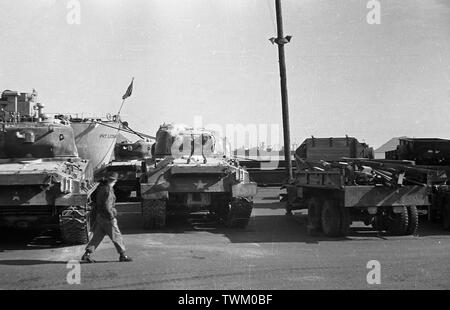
[(87, 257), (125, 258)]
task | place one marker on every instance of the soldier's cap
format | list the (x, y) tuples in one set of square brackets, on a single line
[(113, 176)]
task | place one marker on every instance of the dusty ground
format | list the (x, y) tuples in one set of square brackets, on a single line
[(274, 252)]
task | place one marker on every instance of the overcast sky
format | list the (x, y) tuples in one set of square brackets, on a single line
[(213, 58)]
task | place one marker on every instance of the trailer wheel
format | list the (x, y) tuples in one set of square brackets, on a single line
[(413, 220), (345, 221), (154, 213), (397, 223), (314, 214), (74, 225), (331, 219)]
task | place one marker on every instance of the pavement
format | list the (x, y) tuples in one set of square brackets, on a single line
[(273, 252)]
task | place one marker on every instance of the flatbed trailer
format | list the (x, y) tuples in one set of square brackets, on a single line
[(333, 206)]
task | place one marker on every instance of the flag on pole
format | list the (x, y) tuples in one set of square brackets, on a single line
[(129, 90)]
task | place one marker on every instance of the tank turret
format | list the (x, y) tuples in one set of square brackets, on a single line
[(181, 141), (128, 151)]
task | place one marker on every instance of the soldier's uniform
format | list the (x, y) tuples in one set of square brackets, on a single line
[(106, 222)]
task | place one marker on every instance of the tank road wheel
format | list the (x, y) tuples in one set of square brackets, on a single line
[(154, 213), (397, 223), (413, 220), (314, 214), (331, 219), (240, 210), (74, 225)]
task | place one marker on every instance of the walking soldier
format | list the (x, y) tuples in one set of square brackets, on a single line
[(105, 221)]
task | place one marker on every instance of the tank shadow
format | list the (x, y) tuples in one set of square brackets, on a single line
[(267, 228), (14, 239), (261, 229)]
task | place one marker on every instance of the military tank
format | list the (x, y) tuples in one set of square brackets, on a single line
[(127, 162), (192, 170), (43, 181)]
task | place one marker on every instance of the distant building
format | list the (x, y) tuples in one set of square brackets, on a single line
[(391, 145), (256, 152)]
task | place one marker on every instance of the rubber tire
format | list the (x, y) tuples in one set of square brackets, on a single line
[(345, 222), (397, 223), (314, 213), (331, 219), (413, 220), (74, 225), (240, 210), (154, 213)]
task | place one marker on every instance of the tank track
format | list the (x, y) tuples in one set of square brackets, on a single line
[(74, 225), (154, 213), (240, 210)]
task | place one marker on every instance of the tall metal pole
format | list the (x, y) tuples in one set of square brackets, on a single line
[(15, 109), (281, 41)]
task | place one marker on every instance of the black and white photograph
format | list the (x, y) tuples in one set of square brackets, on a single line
[(224, 150)]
